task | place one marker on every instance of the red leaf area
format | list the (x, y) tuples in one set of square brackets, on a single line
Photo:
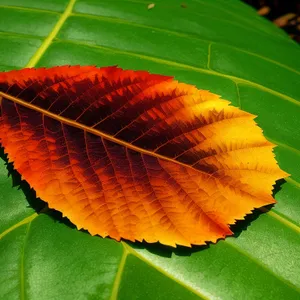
[(132, 155)]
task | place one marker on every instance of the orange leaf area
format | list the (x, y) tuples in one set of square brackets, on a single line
[(132, 155)]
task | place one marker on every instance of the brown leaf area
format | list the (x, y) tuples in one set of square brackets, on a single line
[(132, 155)]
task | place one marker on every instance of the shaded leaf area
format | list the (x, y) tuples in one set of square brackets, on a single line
[(263, 261)]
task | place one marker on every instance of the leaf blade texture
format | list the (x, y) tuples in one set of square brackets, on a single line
[(132, 155), (221, 46)]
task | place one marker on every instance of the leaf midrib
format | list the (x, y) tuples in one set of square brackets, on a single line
[(101, 134), (94, 131)]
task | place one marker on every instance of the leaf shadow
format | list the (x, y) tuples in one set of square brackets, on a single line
[(238, 228), (156, 248), (17, 182), (167, 251)]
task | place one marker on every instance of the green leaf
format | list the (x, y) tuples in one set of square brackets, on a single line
[(219, 45)]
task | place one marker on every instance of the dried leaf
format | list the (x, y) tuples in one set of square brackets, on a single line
[(264, 10), (283, 20), (134, 155)]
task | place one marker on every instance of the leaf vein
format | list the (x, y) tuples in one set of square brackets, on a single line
[(29, 9), (190, 36), (45, 45), (22, 268), (118, 278), (17, 225), (162, 271)]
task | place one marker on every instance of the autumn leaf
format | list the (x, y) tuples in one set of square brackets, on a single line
[(133, 155)]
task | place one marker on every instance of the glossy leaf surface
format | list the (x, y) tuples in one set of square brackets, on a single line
[(215, 45)]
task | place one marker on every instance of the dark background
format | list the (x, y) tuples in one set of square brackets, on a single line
[(283, 13)]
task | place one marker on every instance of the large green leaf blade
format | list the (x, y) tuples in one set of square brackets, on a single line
[(209, 44)]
